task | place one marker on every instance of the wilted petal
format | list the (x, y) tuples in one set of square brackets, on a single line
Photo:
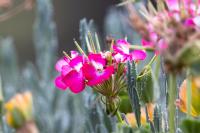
[(60, 84), (138, 55), (75, 81)]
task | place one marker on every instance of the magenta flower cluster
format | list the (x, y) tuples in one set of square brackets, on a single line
[(186, 12), (80, 70)]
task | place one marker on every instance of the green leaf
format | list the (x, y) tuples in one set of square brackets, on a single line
[(131, 79), (157, 119), (123, 128), (190, 125), (125, 104)]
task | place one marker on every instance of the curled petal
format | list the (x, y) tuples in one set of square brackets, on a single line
[(75, 81), (59, 83)]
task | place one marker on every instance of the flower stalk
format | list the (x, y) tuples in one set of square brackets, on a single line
[(172, 98), (119, 118), (137, 47)]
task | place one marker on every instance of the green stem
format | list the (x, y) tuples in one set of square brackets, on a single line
[(137, 47), (119, 116), (152, 60), (172, 98)]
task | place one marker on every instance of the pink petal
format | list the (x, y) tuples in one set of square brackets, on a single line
[(121, 47), (74, 54), (65, 70), (138, 55), (101, 76), (59, 83), (147, 43), (97, 60), (120, 58), (60, 63), (189, 22), (89, 71), (197, 21), (75, 81), (76, 63), (162, 45), (153, 36), (173, 4)]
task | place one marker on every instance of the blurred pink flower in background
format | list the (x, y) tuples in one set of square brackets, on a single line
[(5, 3)]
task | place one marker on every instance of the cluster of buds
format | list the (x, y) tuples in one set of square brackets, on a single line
[(103, 71), (19, 113), (172, 29)]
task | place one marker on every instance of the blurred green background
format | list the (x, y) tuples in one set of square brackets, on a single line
[(67, 15)]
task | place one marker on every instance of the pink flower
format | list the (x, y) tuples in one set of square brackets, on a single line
[(151, 43), (70, 73), (96, 71), (122, 52), (193, 22), (173, 5)]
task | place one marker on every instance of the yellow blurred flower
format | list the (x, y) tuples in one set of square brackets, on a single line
[(19, 109), (132, 120), (195, 97)]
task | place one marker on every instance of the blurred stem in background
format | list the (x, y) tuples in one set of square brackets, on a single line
[(189, 92), (1, 108), (9, 13), (172, 98)]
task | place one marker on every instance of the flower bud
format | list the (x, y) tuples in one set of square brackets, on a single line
[(195, 97), (19, 110), (145, 85)]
